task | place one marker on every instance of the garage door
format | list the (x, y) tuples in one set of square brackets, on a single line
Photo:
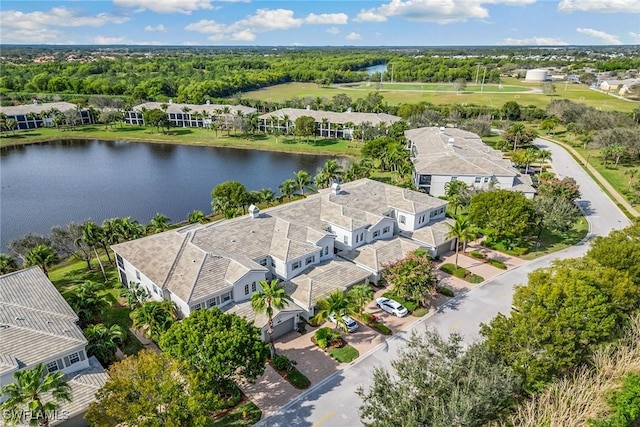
[(284, 327)]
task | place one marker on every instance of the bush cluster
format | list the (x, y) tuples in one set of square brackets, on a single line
[(477, 254), (444, 291), (283, 363), (497, 263)]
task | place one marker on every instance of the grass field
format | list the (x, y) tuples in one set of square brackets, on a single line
[(187, 136), (574, 92), (440, 87)]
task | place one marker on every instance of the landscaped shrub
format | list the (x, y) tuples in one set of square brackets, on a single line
[(419, 312), (326, 337), (283, 363), (497, 263), (474, 278), (448, 268), (298, 379), (520, 251), (460, 272), (381, 328), (477, 254), (345, 354), (445, 291)]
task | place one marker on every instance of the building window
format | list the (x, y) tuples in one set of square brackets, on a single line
[(376, 234), (357, 238), (441, 210), (309, 260), (296, 265), (196, 307), (253, 287), (273, 263), (486, 179), (478, 179), (212, 302), (346, 240), (361, 237), (385, 230), (326, 250), (74, 358), (454, 178), (157, 290), (226, 297), (432, 214), (403, 219), (138, 275), (246, 289), (52, 366), (120, 261), (263, 262)]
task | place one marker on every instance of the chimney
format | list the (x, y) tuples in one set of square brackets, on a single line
[(254, 211), (171, 101), (308, 107), (335, 188), (441, 129), (451, 141), (208, 102)]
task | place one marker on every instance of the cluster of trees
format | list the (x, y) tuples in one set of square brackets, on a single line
[(412, 278), (555, 359)]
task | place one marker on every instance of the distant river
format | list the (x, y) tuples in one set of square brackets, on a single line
[(50, 184)]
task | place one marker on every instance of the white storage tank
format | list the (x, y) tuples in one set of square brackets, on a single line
[(537, 75)]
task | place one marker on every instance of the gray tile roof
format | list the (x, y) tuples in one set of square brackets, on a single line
[(84, 386), (244, 309), (17, 110), (375, 255), (320, 280), (193, 108), (333, 117), (36, 323), (184, 261), (433, 234), (455, 152)]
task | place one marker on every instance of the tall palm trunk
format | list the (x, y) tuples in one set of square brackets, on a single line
[(272, 346)]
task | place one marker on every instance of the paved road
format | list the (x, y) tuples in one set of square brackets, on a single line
[(334, 402)]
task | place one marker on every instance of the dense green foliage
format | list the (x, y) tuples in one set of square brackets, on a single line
[(503, 213), (217, 346), (625, 404), (437, 383), (413, 277)]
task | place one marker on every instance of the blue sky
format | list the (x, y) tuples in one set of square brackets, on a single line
[(321, 22)]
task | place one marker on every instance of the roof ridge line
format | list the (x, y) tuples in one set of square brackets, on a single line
[(72, 318), (51, 334)]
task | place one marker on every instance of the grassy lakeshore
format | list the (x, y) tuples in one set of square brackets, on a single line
[(186, 136)]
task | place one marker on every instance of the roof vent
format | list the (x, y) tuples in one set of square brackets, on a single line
[(208, 102), (254, 211), (171, 101), (335, 188), (349, 110), (233, 240), (441, 128), (19, 318), (451, 141), (308, 107)]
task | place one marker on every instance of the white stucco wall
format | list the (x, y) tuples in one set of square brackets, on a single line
[(144, 281), (248, 279), (379, 227)]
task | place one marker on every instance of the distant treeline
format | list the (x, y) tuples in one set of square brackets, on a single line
[(196, 76)]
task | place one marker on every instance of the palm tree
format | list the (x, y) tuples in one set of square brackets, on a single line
[(93, 235), (196, 217), (154, 318), (287, 188), (86, 301), (270, 296), (544, 156), (30, 389), (529, 156), (267, 196), (7, 264), (631, 173), (11, 124), (332, 170), (360, 295), (462, 231), (338, 304), (302, 180), (103, 342), (158, 223), (135, 294), (518, 131), (41, 255)]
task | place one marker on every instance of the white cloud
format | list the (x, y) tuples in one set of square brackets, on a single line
[(442, 11), (606, 38), (158, 27), (333, 30), (206, 26), (41, 35), (166, 6), (353, 36), (56, 17), (532, 41), (109, 40), (635, 37), (606, 6), (242, 36), (327, 18)]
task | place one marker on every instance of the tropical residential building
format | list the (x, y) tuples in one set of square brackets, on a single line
[(331, 240), (37, 115), (329, 124), (621, 86), (37, 326), (190, 115), (442, 155)]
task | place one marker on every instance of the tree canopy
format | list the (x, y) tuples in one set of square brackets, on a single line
[(218, 346), (504, 213), (413, 277)]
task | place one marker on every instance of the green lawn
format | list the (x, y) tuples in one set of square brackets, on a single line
[(345, 354), (73, 272), (187, 136), (440, 87), (553, 242), (244, 415), (574, 92)]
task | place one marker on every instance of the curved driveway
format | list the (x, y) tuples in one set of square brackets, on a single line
[(334, 402)]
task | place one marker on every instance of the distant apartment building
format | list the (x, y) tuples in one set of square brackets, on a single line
[(37, 115), (442, 155), (189, 115)]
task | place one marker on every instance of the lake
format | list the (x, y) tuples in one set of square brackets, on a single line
[(382, 68), (50, 184)]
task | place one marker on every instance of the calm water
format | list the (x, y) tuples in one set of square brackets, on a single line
[(49, 184), (382, 68)]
